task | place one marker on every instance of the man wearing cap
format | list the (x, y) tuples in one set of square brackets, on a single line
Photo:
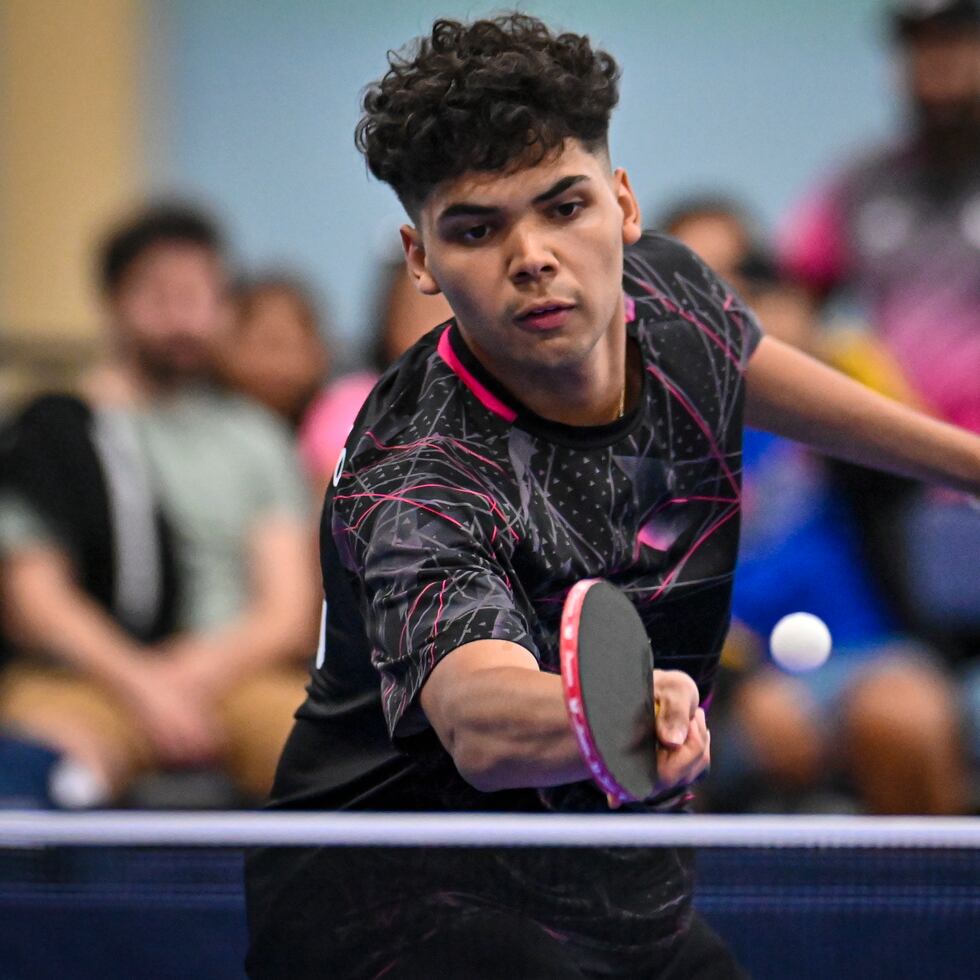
[(899, 230), (901, 225)]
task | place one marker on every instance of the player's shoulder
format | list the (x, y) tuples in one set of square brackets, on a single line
[(655, 248), (676, 294), (407, 415), (663, 275)]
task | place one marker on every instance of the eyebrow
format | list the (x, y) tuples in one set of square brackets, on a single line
[(464, 209), (560, 187)]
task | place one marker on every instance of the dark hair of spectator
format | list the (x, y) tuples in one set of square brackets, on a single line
[(913, 19), (757, 267), (701, 206), (161, 224), (246, 292), (482, 97)]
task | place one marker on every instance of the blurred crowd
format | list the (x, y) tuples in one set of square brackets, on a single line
[(159, 596)]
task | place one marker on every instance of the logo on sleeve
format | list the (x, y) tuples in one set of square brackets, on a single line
[(321, 647), (338, 470)]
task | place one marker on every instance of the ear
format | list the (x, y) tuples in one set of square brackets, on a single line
[(415, 260), (632, 221)]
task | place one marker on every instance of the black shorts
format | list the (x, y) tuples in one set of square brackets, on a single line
[(399, 914)]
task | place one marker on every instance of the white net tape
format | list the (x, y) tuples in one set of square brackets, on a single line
[(138, 828)]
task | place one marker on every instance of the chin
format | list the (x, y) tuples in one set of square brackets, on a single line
[(563, 353), (180, 369)]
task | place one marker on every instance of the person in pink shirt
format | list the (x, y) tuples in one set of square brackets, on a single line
[(900, 227), (898, 232), (403, 315)]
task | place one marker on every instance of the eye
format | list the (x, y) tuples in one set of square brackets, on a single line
[(568, 209), (475, 233)]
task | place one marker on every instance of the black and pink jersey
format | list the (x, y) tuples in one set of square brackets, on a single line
[(457, 515)]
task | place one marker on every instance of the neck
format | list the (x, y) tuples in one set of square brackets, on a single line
[(129, 379), (593, 392)]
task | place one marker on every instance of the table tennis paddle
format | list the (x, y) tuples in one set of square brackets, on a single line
[(607, 678)]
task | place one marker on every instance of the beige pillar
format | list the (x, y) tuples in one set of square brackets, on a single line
[(70, 155)]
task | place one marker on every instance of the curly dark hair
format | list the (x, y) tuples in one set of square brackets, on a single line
[(483, 96)]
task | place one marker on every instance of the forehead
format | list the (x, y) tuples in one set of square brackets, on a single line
[(173, 260), (518, 184)]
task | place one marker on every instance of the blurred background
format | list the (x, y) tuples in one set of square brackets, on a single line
[(824, 158), (249, 108), (158, 577)]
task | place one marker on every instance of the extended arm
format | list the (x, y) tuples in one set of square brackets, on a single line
[(504, 721), (791, 394)]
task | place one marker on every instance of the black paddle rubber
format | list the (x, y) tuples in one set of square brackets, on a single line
[(607, 677)]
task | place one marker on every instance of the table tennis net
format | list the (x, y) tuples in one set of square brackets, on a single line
[(145, 894)]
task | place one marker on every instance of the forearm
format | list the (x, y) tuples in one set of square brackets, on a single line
[(507, 727), (263, 637), (793, 395), (45, 612)]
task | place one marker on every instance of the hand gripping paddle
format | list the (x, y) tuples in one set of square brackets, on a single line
[(607, 677)]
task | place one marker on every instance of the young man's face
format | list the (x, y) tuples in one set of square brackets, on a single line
[(170, 309), (531, 261)]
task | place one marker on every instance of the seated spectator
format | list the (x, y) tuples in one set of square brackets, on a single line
[(800, 553), (275, 351), (896, 231), (156, 601), (402, 315)]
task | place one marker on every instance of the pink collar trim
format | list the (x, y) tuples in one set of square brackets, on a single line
[(486, 397)]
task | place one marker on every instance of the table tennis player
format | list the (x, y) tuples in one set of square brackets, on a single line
[(580, 416)]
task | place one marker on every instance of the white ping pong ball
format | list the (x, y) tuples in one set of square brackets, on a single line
[(800, 642)]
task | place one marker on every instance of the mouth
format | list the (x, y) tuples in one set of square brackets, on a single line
[(546, 315)]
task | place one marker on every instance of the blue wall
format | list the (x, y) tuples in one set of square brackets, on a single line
[(255, 104)]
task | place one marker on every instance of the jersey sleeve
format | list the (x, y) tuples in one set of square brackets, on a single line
[(662, 276), (422, 540)]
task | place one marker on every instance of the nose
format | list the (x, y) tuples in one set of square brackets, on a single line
[(189, 313), (531, 257)]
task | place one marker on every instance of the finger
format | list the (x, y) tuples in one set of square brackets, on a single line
[(169, 747), (678, 767), (677, 683), (677, 704), (704, 763), (698, 731), (699, 769), (184, 740), (201, 741), (681, 770)]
